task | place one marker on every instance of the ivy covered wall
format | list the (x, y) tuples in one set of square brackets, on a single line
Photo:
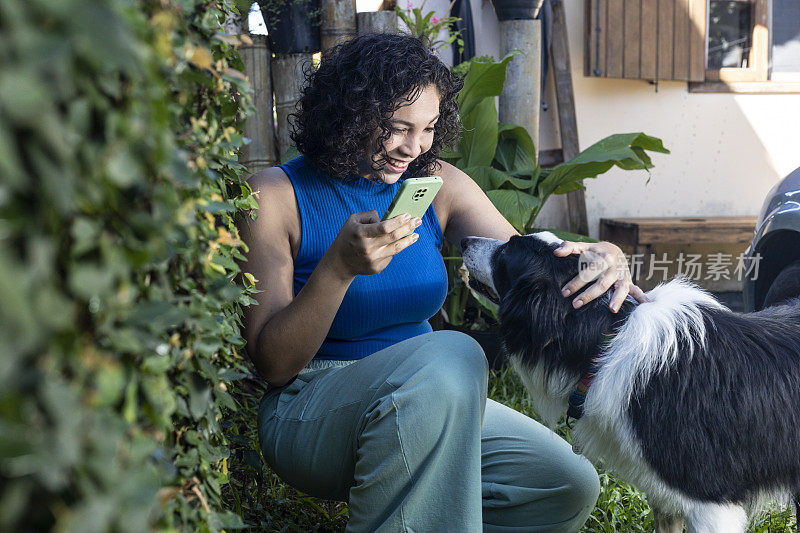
[(119, 292)]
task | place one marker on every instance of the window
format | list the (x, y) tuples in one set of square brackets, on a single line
[(716, 45), (738, 40), (752, 41), (785, 40)]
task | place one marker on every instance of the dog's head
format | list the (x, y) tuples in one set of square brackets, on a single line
[(537, 323)]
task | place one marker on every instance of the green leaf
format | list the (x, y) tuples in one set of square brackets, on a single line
[(479, 137), (515, 149), (199, 397), (489, 178), (124, 169), (87, 280), (157, 364), (85, 233), (291, 153), (516, 206), (484, 79), (130, 406), (625, 150), (157, 314), (569, 187), (110, 384), (484, 176), (231, 520)]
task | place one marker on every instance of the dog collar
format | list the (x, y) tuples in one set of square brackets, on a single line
[(578, 396)]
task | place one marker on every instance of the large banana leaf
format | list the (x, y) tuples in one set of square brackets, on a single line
[(489, 178), (479, 137), (518, 207), (484, 176), (515, 149), (485, 77), (625, 150)]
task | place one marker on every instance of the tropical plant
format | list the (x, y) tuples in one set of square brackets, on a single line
[(427, 27), (502, 160)]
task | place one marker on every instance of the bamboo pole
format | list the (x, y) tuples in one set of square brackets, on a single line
[(259, 128), (338, 22), (377, 22)]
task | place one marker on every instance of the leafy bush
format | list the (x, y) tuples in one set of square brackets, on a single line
[(120, 296), (501, 158)]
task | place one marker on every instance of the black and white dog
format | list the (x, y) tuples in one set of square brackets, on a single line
[(695, 404)]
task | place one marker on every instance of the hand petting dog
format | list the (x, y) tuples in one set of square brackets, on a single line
[(608, 265)]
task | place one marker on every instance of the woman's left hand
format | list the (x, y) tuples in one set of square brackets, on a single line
[(607, 263)]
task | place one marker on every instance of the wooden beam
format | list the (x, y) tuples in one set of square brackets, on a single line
[(562, 75)]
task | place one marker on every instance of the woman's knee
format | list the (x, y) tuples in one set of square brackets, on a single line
[(451, 360), (442, 380), (560, 504), (582, 482)]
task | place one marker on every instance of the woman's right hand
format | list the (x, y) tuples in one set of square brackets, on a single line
[(365, 244)]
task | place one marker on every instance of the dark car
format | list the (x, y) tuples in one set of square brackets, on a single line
[(774, 255)]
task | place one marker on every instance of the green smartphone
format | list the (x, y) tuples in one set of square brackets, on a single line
[(414, 197)]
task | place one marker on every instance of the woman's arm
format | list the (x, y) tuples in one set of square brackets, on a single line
[(468, 211), (284, 332)]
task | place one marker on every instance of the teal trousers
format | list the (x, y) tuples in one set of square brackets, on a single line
[(408, 438)]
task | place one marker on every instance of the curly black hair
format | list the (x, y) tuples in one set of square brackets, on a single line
[(354, 92)]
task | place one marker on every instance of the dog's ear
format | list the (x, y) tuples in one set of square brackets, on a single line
[(533, 314)]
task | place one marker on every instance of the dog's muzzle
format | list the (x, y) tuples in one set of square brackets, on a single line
[(477, 253)]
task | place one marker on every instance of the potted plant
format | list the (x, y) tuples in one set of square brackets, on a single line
[(501, 158)]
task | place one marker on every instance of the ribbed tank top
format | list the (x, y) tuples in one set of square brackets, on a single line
[(381, 309)]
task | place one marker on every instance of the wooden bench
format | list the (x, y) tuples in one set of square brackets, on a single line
[(641, 234)]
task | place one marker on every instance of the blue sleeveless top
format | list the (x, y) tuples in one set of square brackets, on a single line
[(377, 310)]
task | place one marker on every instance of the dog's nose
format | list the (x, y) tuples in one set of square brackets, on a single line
[(464, 243)]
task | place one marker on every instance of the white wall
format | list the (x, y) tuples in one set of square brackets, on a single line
[(728, 150)]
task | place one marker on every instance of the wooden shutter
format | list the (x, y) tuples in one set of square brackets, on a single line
[(646, 39)]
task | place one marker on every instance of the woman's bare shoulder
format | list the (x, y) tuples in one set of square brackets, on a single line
[(276, 199), (272, 179), (452, 182)]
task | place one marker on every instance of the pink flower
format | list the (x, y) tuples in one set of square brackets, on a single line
[(434, 20), (409, 5)]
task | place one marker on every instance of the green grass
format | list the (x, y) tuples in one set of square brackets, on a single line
[(268, 504)]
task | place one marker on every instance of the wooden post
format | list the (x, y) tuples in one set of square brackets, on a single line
[(338, 22), (565, 97), (377, 22), (521, 98), (260, 127), (288, 76)]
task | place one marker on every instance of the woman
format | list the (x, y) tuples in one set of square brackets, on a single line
[(367, 404)]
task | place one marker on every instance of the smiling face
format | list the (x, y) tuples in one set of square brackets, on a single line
[(411, 135)]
